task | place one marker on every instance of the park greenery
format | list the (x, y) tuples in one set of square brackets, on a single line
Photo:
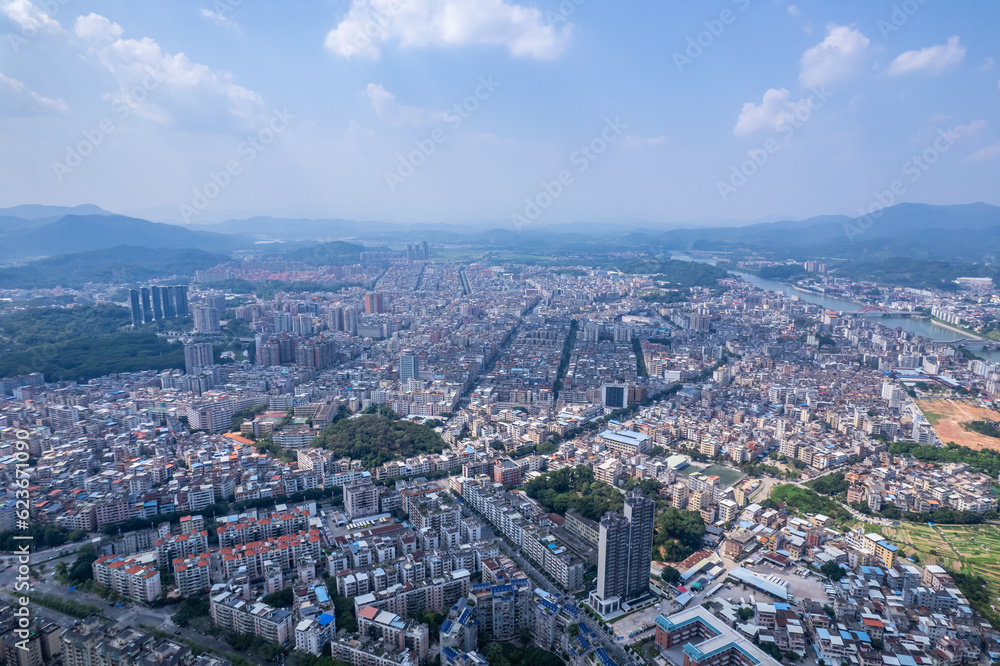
[(676, 273), (191, 608), (831, 484), (678, 534), (42, 536), (64, 606), (80, 343), (508, 654), (804, 500), (575, 488), (375, 439), (985, 461)]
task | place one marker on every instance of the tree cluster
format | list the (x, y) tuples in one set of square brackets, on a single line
[(375, 439), (575, 488)]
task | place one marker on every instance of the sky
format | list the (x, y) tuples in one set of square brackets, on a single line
[(499, 112)]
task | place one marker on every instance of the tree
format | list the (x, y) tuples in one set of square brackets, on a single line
[(82, 566), (745, 613), (280, 599), (832, 570), (772, 649), (670, 576)]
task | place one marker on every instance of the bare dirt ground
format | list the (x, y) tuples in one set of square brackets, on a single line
[(947, 417)]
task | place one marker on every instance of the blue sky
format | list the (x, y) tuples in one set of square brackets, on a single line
[(663, 113)]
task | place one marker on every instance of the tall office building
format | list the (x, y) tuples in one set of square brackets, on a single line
[(351, 321), (625, 550), (133, 297), (147, 307), (409, 366), (614, 396), (374, 303), (181, 300), (197, 356), (157, 296), (282, 322), (206, 320), (335, 319), (151, 304)]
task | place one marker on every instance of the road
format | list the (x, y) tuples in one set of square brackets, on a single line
[(615, 649), (132, 614)]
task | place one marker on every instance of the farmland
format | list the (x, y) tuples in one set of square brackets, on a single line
[(973, 549)]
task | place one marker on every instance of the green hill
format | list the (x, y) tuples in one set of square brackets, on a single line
[(336, 253), (375, 440), (121, 264), (80, 343)]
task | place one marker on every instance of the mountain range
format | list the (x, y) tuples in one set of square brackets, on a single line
[(967, 233)]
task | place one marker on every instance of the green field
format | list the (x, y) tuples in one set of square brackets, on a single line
[(727, 476), (968, 548), (932, 417)]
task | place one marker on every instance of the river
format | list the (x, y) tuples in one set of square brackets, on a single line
[(924, 327)]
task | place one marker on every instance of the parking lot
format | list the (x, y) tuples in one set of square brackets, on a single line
[(804, 585), (646, 616)]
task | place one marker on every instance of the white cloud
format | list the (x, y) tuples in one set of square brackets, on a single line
[(425, 23), (986, 154), (30, 19), (221, 20), (181, 87), (793, 10), (834, 59), (356, 132), (933, 59), (774, 111), (987, 65), (643, 141), (966, 130), (17, 100), (386, 107)]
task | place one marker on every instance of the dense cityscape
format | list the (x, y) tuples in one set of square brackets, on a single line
[(479, 462), (499, 333)]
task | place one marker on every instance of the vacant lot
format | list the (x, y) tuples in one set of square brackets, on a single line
[(947, 417)]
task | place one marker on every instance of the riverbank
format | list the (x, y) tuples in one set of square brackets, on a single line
[(957, 329)]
